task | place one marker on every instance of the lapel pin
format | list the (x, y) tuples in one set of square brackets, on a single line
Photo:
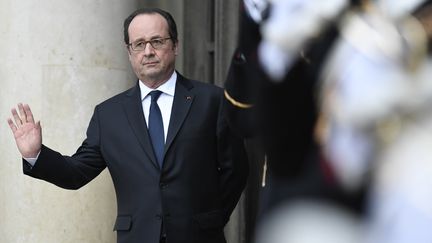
[(188, 97)]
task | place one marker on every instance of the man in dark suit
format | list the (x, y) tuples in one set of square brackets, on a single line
[(184, 192)]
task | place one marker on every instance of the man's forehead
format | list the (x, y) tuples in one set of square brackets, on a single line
[(150, 25), (149, 20)]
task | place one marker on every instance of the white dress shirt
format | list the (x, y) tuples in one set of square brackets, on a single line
[(165, 100)]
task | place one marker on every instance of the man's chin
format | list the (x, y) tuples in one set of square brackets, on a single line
[(152, 74)]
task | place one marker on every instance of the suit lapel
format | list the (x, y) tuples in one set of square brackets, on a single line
[(183, 99), (133, 108)]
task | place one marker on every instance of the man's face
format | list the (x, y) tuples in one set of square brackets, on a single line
[(152, 66)]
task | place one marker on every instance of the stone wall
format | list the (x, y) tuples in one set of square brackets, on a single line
[(62, 57)]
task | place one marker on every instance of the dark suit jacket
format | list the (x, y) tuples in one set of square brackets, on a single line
[(203, 174)]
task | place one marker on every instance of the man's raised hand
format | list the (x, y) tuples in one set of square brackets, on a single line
[(27, 132)]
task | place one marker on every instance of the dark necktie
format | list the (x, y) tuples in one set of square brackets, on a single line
[(155, 127)]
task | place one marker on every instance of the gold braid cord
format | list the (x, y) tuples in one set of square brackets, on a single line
[(236, 103)]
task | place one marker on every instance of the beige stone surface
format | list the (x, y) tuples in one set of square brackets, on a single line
[(62, 57)]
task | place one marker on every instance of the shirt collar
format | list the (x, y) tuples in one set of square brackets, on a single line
[(168, 87)]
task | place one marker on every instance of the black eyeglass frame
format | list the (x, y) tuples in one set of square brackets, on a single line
[(156, 44)]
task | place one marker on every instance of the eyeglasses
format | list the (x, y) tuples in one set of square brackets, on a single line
[(140, 45)]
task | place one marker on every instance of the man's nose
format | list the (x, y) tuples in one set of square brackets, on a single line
[(148, 49)]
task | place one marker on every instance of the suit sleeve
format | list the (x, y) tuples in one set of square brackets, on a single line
[(233, 166), (70, 172)]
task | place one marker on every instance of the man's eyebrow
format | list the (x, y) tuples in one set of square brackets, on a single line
[(152, 38)]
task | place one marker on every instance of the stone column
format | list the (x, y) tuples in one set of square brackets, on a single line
[(62, 57)]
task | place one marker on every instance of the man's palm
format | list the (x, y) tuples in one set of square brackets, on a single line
[(27, 133)]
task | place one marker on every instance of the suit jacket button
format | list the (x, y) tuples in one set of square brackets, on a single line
[(162, 185), (158, 216)]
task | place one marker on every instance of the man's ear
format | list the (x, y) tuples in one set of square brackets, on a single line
[(175, 47), (128, 50)]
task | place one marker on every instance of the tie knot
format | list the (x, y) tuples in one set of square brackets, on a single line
[(155, 94)]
